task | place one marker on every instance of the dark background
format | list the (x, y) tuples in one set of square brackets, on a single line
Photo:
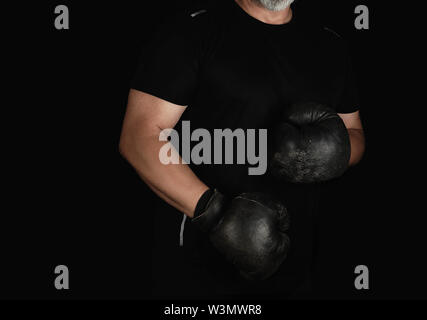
[(73, 200)]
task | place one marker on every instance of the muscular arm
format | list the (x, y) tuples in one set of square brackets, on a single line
[(146, 116), (354, 126)]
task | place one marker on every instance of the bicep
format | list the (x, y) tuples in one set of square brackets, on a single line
[(151, 112)]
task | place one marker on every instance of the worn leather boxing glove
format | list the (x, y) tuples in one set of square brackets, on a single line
[(250, 231), (311, 145)]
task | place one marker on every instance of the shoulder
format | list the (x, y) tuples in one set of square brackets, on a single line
[(331, 33), (325, 39), (332, 38), (191, 22), (193, 30)]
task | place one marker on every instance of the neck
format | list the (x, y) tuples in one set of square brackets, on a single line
[(262, 14)]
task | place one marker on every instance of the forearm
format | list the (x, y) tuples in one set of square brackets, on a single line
[(357, 141), (174, 183)]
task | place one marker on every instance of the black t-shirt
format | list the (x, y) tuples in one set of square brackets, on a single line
[(234, 71)]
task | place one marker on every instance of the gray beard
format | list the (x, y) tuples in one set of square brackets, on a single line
[(274, 5)]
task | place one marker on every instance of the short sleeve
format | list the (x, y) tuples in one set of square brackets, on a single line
[(168, 64), (349, 98)]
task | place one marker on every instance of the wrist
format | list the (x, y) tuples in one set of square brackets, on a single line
[(194, 200), (209, 210), (202, 203)]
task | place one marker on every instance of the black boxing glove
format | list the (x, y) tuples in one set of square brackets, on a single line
[(250, 231), (311, 145)]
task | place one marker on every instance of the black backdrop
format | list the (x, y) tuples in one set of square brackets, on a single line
[(73, 200)]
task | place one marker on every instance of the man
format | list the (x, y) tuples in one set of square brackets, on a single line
[(232, 66)]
